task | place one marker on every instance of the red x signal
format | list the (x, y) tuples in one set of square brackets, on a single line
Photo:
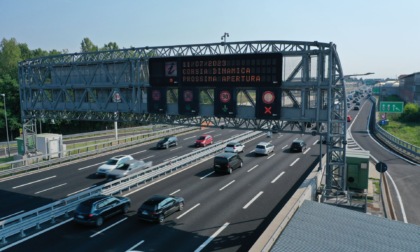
[(267, 110)]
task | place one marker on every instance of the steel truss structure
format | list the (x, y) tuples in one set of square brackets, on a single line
[(112, 86)]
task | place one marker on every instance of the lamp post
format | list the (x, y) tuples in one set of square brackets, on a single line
[(7, 127)]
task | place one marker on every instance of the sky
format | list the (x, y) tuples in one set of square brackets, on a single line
[(380, 36)]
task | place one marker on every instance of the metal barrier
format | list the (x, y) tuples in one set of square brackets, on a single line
[(70, 155), (18, 225), (406, 149)]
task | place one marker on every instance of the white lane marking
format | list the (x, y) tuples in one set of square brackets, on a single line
[(80, 190), (271, 155), (208, 132), (251, 151), (205, 176), (294, 162), (149, 157), (202, 246), (284, 147), (306, 150), (170, 158), (231, 182), (179, 147), (253, 199), (399, 198), (316, 142), (50, 188), (279, 136), (33, 182), (131, 249), (189, 137), (8, 216), (217, 135), (103, 230), (172, 193), (252, 168), (275, 179), (189, 210), (36, 234), (138, 152)]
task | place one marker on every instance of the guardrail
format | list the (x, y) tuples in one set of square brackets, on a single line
[(18, 225), (73, 154), (404, 148)]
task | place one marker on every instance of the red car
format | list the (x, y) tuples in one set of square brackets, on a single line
[(204, 140), (349, 118)]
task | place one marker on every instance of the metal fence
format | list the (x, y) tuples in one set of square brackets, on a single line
[(19, 224), (41, 161)]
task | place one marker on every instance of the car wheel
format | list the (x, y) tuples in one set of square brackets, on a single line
[(181, 206), (125, 208), (99, 221), (230, 170), (161, 218)]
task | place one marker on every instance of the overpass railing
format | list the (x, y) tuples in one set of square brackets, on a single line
[(19, 224)]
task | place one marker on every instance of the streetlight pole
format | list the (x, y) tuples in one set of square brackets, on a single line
[(7, 127)]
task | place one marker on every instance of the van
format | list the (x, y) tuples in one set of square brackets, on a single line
[(227, 162)]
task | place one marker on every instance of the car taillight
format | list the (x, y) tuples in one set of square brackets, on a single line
[(90, 215)]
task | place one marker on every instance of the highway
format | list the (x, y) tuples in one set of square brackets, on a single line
[(403, 176), (234, 208)]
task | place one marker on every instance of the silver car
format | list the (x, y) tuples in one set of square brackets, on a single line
[(264, 148), (128, 167), (235, 147)]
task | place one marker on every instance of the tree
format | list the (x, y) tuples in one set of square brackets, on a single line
[(10, 55), (110, 46), (411, 113), (88, 46)]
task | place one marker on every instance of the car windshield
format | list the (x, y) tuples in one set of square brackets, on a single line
[(260, 147), (123, 167), (111, 162), (165, 139), (230, 145), (295, 144), (84, 208), (201, 138)]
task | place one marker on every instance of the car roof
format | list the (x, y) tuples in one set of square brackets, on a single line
[(155, 199), (226, 154), (94, 199), (263, 143), (120, 156), (298, 141)]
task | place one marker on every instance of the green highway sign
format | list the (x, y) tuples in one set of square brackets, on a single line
[(376, 90), (391, 107)]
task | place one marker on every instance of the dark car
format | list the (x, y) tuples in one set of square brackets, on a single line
[(356, 108), (227, 162), (167, 142), (156, 208), (94, 210), (298, 145)]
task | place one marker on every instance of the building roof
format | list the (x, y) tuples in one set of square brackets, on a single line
[(322, 227)]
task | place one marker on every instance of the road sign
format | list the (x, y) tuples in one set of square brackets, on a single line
[(381, 167), (376, 90), (391, 107)]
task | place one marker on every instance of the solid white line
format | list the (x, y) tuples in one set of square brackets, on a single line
[(131, 249), (51, 188), (34, 182), (306, 151), (176, 148), (294, 162), (172, 193), (34, 235), (284, 147), (271, 156), (399, 198), (205, 176), (103, 230), (8, 216), (233, 181), (252, 200), (275, 179), (252, 168), (189, 210), (80, 190), (202, 246)]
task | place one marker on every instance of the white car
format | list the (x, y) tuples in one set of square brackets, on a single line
[(264, 148), (235, 147), (111, 164), (127, 168)]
